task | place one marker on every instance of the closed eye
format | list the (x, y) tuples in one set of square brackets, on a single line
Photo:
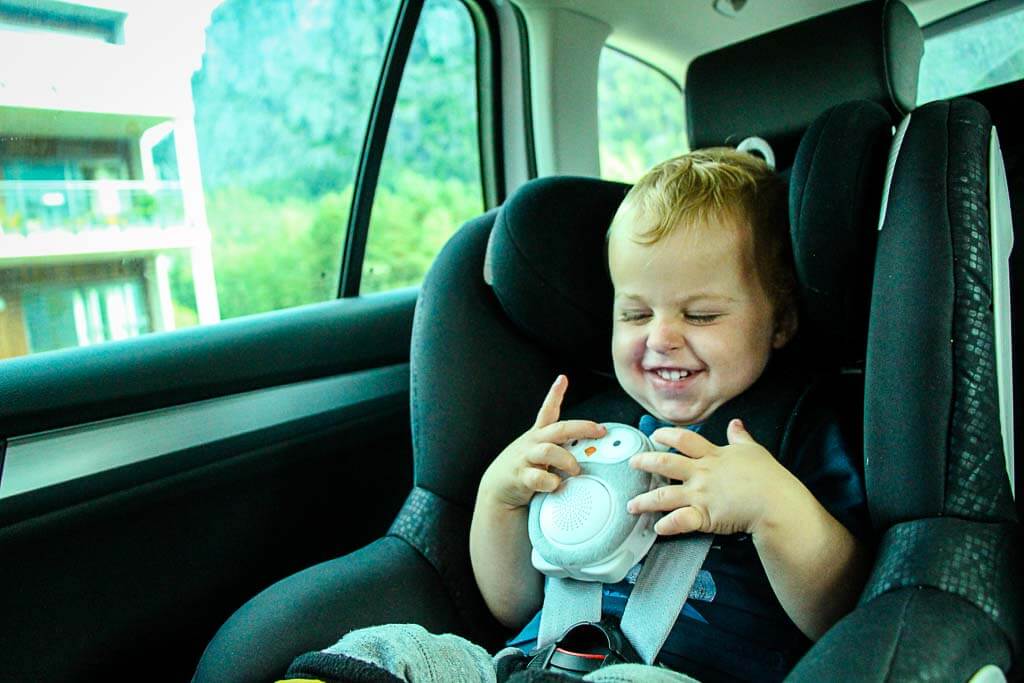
[(633, 316), (702, 318)]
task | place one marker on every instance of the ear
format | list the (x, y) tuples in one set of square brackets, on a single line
[(785, 327)]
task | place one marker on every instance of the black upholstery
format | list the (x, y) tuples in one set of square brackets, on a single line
[(835, 182), (561, 304), (775, 85), (934, 248), (944, 598), (916, 634)]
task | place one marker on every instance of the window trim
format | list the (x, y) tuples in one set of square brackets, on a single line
[(490, 131), (630, 55), (524, 61), (53, 469), (372, 154)]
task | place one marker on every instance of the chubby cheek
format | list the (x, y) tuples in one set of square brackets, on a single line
[(627, 353)]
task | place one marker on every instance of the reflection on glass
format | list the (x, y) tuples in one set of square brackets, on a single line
[(975, 57)]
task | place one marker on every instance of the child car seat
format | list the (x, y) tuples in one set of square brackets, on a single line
[(483, 356)]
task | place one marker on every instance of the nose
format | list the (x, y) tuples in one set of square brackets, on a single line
[(665, 336)]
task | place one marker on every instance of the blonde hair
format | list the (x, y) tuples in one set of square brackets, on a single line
[(709, 186)]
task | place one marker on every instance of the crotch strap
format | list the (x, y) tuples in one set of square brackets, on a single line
[(653, 607)]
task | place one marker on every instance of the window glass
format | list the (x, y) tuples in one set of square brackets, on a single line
[(430, 174), (977, 56), (199, 168), (641, 116), (282, 104), (78, 315)]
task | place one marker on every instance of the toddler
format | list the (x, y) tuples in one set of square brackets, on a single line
[(704, 287)]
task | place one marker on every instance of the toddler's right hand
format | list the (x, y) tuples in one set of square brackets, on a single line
[(524, 467)]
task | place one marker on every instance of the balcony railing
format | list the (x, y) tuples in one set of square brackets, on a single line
[(32, 206)]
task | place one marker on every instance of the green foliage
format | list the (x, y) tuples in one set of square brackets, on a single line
[(144, 207), (397, 256), (281, 104), (641, 117), (285, 91), (272, 254)]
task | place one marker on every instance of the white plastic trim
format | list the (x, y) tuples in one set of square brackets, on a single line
[(894, 152), (1002, 242), (565, 49), (989, 673)]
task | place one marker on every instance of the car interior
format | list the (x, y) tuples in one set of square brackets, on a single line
[(293, 475)]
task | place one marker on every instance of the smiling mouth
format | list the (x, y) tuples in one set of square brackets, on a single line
[(672, 374)]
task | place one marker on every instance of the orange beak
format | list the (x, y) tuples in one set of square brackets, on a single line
[(589, 451)]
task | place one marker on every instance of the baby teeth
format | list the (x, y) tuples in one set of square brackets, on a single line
[(673, 375)]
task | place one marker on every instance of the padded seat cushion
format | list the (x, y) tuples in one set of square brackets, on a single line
[(776, 84), (547, 264), (835, 186)]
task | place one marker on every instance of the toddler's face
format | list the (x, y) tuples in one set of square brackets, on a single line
[(693, 326)]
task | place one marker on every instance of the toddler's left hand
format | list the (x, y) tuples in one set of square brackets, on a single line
[(724, 489)]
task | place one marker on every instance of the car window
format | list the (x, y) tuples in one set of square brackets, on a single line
[(973, 56), (430, 174), (195, 161), (641, 116), (282, 102)]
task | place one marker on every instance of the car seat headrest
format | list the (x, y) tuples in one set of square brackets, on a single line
[(774, 85), (547, 266), (834, 198)]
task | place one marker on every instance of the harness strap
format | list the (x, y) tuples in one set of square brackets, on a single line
[(661, 591), (654, 604), (567, 602)]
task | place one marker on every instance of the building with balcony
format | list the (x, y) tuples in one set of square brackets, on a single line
[(103, 231)]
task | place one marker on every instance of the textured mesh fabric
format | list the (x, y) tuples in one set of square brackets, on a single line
[(439, 530), (932, 435), (912, 634), (977, 562), (976, 483)]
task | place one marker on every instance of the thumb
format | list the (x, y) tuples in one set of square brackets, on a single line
[(737, 432)]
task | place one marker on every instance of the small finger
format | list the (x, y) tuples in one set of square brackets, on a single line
[(737, 432), (661, 499), (668, 465), (686, 441), (540, 480), (682, 521), (550, 455), (551, 408), (568, 430)]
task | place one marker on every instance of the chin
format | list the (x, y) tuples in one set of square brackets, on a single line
[(678, 416)]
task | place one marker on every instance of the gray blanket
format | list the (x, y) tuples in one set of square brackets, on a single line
[(409, 653)]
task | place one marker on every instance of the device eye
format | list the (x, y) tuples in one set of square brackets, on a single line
[(574, 442), (616, 443)]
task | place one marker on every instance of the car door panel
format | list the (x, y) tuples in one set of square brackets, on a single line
[(243, 452)]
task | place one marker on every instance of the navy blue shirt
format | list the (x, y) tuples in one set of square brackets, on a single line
[(733, 627)]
